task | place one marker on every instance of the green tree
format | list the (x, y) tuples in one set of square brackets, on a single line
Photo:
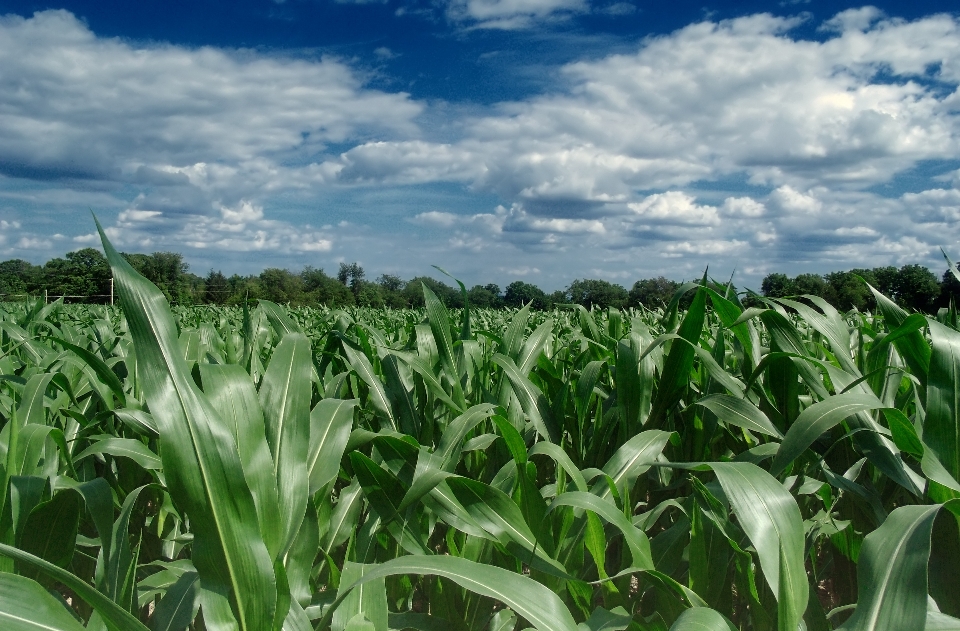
[(597, 293), (484, 296), (449, 296), (392, 287), (169, 272), (519, 293), (282, 286), (217, 288), (812, 284), (847, 290), (81, 273), (777, 286), (652, 292), (917, 288), (325, 290), (18, 277)]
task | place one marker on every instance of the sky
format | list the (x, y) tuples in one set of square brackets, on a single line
[(503, 140)]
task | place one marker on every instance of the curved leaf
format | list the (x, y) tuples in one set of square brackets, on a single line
[(892, 572), (116, 618), (26, 606), (528, 598), (817, 419), (771, 520), (701, 619), (739, 412)]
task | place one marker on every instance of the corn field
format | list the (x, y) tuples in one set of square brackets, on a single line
[(712, 468)]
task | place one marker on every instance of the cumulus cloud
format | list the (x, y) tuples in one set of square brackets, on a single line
[(735, 139), (716, 99)]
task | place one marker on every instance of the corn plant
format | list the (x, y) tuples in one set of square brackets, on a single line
[(780, 467)]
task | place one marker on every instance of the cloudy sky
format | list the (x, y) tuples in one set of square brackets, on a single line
[(542, 140)]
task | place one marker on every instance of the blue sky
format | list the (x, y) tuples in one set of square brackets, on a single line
[(542, 140)]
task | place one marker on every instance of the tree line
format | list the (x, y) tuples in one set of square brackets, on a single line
[(86, 273)]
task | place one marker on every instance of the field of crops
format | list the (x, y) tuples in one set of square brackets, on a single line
[(711, 468)]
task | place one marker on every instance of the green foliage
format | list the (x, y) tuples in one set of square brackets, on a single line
[(691, 465)]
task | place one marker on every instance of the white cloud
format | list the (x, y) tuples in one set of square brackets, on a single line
[(793, 202), (716, 99), (732, 140), (510, 14), (743, 207), (675, 207)]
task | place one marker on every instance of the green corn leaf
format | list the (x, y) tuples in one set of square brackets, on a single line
[(279, 319), (233, 395), (200, 458), (106, 375), (123, 448), (178, 607), (285, 394), (941, 429), (367, 601), (532, 347), (26, 606), (636, 539), (892, 572), (739, 412), (616, 619), (115, 617), (50, 532), (562, 460), (817, 419), (633, 459), (330, 423), (440, 326), (679, 362), (364, 369), (537, 604), (771, 520), (498, 515), (534, 403), (701, 619)]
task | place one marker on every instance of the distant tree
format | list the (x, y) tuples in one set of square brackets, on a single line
[(369, 294), (282, 286), (392, 289), (18, 277), (81, 273), (777, 286), (413, 292), (217, 288), (484, 297), (390, 282), (601, 294), (652, 292), (917, 288), (812, 284), (350, 274), (519, 293), (168, 271), (949, 288), (847, 290), (325, 290)]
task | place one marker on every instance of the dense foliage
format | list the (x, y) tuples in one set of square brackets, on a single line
[(84, 276), (707, 467)]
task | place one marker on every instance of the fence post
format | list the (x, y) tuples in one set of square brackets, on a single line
[(111, 291), (44, 296)]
